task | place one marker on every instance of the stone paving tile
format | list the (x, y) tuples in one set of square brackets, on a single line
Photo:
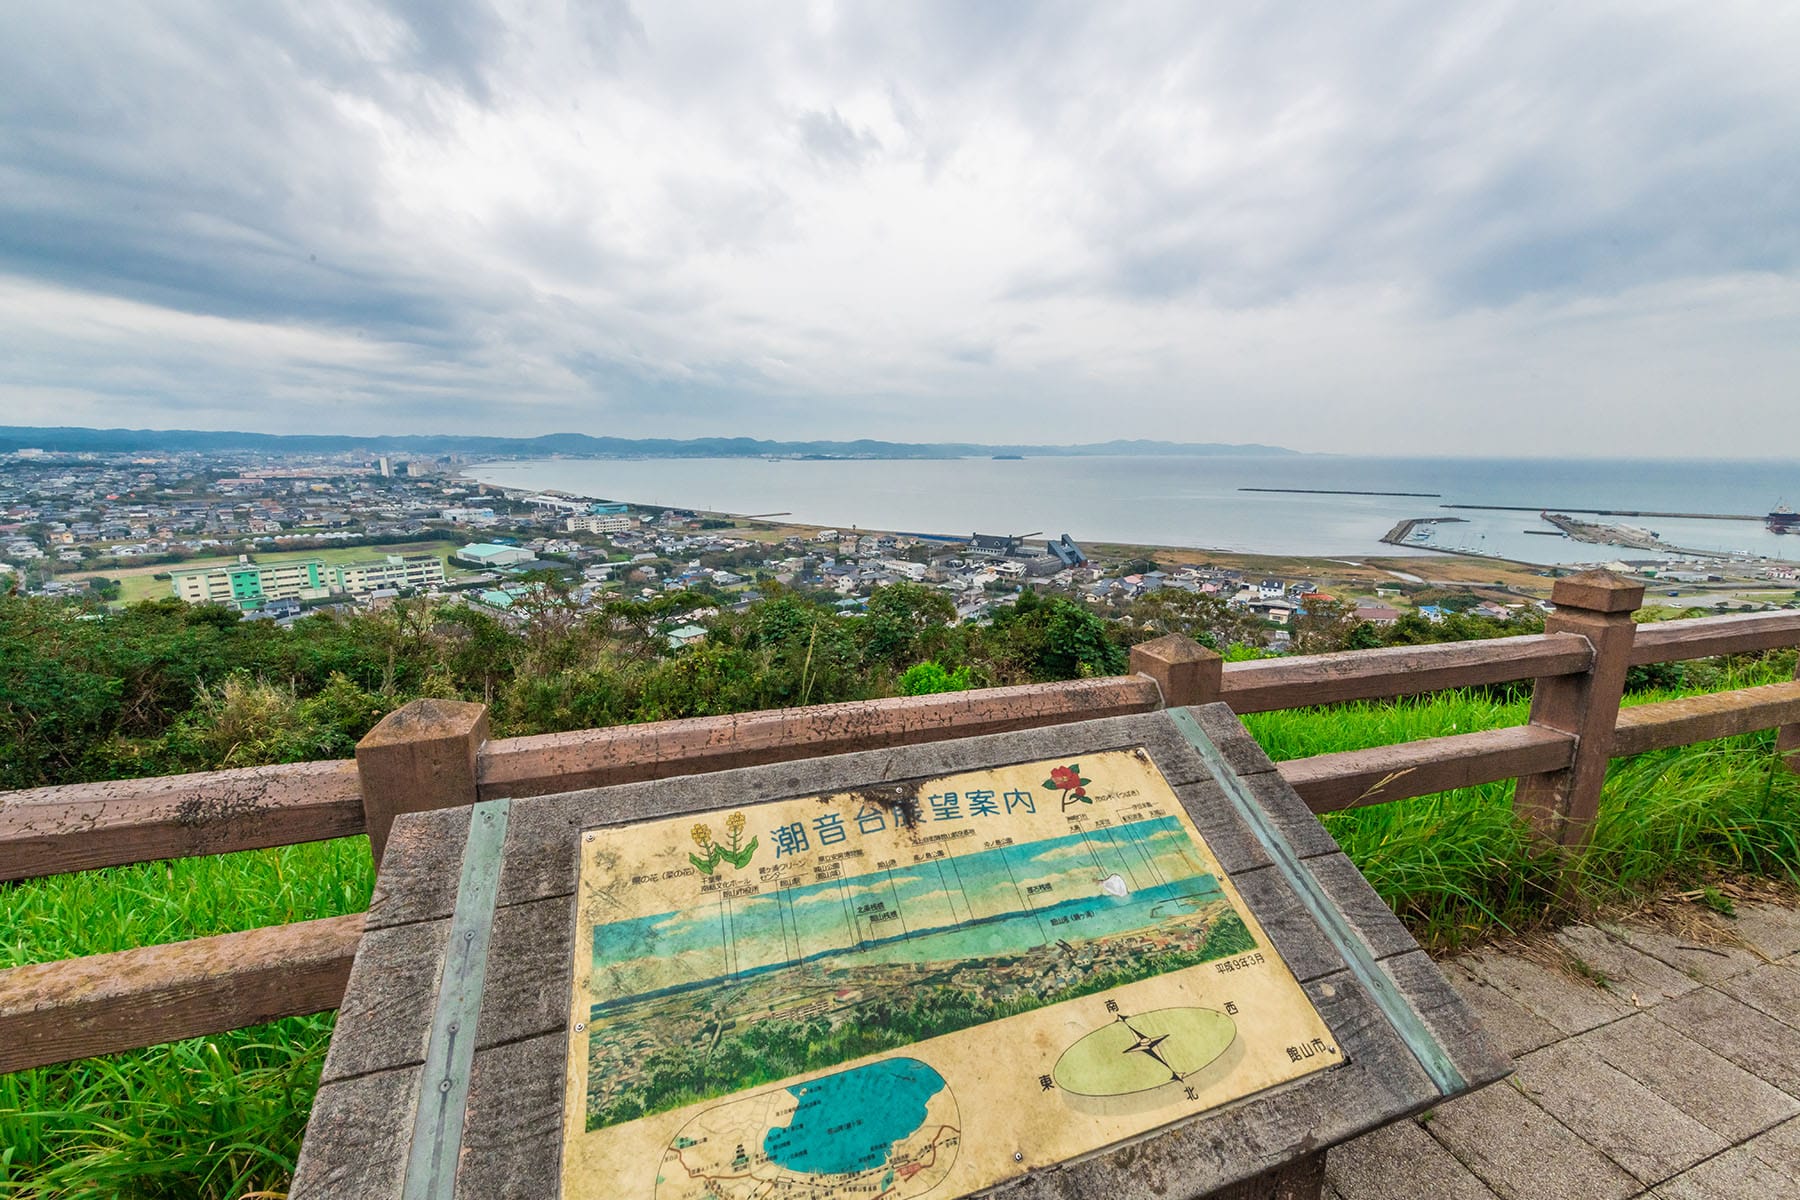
[(1779, 1148), (1517, 1030), (1615, 1113), (1401, 1162), (1522, 1152), (1708, 964), (1714, 1091), (1758, 1043), (1773, 989), (1771, 928), (1736, 1174), (1572, 1005), (1631, 975)]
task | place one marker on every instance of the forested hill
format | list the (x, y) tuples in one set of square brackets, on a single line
[(71, 439)]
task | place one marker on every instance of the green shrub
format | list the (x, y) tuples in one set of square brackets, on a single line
[(928, 678)]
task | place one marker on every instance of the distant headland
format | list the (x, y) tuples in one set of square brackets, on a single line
[(72, 439)]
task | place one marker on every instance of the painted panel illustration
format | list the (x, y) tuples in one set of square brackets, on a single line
[(830, 997)]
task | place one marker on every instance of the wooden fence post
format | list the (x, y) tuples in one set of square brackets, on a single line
[(1187, 672), (421, 756), (1787, 738), (1561, 805)]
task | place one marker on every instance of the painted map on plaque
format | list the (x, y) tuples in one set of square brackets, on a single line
[(919, 989)]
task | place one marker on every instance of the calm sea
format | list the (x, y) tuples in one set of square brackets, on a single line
[(1197, 502)]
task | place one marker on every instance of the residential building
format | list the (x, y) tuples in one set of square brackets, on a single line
[(1377, 614), (600, 523)]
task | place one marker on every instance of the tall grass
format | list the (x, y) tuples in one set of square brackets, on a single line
[(214, 1117), (1459, 866), (221, 1117)]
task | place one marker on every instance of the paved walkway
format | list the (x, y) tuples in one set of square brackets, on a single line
[(1649, 1065)]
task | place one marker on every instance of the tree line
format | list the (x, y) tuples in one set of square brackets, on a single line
[(162, 687)]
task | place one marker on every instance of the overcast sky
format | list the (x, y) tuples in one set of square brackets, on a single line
[(1382, 227)]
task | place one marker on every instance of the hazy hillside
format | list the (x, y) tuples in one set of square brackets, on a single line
[(74, 439)]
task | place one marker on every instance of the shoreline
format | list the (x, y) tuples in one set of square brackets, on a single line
[(1449, 568)]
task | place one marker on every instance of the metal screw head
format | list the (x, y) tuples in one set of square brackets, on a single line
[(1018, 1156), (579, 1026)]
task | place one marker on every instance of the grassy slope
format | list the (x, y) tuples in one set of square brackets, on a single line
[(222, 1116)]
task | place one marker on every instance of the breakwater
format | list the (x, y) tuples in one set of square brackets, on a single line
[(1622, 535), (1345, 492), (1400, 534), (1608, 512)]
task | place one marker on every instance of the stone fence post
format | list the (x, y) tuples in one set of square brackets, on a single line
[(1561, 805), (421, 756), (1187, 672)]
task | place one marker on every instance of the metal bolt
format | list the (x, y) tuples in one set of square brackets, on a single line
[(1018, 1156), (579, 1026)]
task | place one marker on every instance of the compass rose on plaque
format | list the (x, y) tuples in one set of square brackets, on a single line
[(1139, 1053)]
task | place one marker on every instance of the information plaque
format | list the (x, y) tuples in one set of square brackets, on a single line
[(861, 995), (1116, 957)]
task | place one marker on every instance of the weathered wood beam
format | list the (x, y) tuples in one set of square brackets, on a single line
[(1702, 718), (420, 757), (1705, 637), (1353, 778), (80, 1007), (1267, 684), (1787, 738), (77, 827), (1597, 605), (560, 762)]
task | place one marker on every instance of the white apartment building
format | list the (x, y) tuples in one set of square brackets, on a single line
[(395, 571), (600, 523)]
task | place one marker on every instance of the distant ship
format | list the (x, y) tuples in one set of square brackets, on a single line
[(1783, 520)]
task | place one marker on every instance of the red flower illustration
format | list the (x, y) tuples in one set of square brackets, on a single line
[(1069, 782)]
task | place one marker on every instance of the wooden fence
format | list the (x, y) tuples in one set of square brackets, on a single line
[(433, 754)]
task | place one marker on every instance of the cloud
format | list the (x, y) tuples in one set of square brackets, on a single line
[(909, 221)]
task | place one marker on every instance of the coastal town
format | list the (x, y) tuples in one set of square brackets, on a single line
[(277, 536)]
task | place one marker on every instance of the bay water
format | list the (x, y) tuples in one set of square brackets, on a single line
[(1199, 502)]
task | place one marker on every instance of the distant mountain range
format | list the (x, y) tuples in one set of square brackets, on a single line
[(70, 439)]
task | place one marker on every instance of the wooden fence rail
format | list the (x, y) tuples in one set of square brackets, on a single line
[(77, 827), (436, 753)]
